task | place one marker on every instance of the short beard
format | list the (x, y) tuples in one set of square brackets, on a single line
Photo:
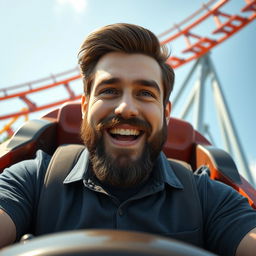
[(121, 171)]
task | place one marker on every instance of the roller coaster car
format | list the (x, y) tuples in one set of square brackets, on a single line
[(62, 126)]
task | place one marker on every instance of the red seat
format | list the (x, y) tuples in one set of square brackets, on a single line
[(69, 121)]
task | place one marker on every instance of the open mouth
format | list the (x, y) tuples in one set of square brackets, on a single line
[(122, 134)]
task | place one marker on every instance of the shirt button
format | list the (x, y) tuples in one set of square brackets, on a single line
[(121, 212)]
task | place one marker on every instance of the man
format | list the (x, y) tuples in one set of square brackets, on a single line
[(122, 180)]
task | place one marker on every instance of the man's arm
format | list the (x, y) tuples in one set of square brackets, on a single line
[(247, 246), (7, 229)]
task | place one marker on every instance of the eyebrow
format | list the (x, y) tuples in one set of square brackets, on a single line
[(143, 82), (148, 83), (113, 80)]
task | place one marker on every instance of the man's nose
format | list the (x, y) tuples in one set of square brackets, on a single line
[(127, 108)]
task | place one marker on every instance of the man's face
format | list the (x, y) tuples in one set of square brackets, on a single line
[(124, 117)]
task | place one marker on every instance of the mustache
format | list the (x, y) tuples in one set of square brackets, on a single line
[(114, 120)]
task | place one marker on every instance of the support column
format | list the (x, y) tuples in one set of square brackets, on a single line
[(227, 127)]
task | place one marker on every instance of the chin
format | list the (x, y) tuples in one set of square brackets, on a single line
[(124, 160), (123, 156)]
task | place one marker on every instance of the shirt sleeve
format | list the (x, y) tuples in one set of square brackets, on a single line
[(228, 217), (20, 190)]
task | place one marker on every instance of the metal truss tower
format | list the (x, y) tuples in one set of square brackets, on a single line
[(196, 102)]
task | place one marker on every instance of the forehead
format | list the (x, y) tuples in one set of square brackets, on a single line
[(128, 67)]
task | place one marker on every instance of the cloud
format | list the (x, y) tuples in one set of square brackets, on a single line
[(79, 6)]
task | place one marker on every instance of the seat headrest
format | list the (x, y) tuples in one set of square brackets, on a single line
[(180, 140), (69, 121), (181, 135)]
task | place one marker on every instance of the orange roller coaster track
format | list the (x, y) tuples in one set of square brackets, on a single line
[(195, 46)]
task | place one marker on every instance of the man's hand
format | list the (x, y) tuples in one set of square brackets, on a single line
[(247, 246), (7, 229)]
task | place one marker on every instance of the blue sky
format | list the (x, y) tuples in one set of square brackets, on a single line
[(39, 38)]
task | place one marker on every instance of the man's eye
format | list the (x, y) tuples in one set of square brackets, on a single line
[(109, 91), (146, 93)]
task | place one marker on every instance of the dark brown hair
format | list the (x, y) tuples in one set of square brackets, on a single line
[(126, 38)]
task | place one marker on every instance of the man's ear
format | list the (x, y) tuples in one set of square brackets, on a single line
[(84, 105), (167, 111)]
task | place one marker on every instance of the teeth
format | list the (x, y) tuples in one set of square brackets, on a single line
[(133, 132)]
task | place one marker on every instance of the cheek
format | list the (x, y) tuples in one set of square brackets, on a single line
[(97, 110), (155, 117)]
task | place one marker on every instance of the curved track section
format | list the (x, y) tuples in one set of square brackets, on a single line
[(187, 33)]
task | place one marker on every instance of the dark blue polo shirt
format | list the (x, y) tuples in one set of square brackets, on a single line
[(224, 216)]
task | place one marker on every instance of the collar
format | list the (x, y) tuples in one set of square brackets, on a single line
[(163, 173), (80, 169)]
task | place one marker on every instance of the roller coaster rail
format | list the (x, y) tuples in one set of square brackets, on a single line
[(196, 45)]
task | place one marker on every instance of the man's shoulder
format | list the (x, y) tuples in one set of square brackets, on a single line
[(207, 185), (29, 167), (40, 161), (216, 196), (224, 210)]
